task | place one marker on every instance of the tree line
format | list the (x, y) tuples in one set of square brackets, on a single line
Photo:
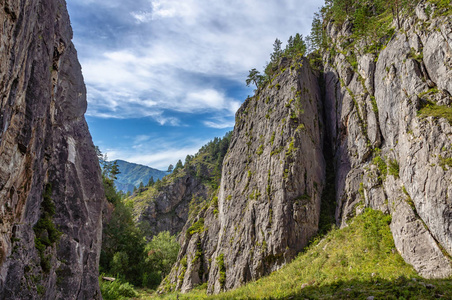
[(295, 48)]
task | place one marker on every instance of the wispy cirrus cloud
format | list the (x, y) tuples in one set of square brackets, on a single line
[(156, 152), (160, 49), (177, 63)]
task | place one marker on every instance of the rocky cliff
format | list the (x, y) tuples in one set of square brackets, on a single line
[(51, 191), (166, 205), (269, 200), (391, 152), (166, 208), (380, 114)]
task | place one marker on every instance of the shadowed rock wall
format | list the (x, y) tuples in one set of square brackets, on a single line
[(51, 193)]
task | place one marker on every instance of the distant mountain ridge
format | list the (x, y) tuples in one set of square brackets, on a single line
[(133, 174)]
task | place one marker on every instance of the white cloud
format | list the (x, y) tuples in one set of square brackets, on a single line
[(141, 138), (179, 52), (219, 124), (142, 16), (154, 152)]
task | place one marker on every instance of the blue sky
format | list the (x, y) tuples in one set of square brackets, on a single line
[(166, 76)]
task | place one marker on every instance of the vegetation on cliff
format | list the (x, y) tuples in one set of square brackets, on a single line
[(372, 23), (355, 262), (204, 167), (295, 49)]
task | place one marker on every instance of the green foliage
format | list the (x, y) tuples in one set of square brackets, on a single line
[(214, 203), (445, 162), (355, 262), (161, 253), (126, 255), (178, 166), (443, 7), (196, 227), (295, 48), (46, 234), (183, 268), (122, 251), (222, 270), (371, 23), (381, 164), (361, 190), (432, 91), (374, 105), (210, 159), (116, 290), (437, 111), (408, 199), (254, 77), (393, 168), (291, 149), (260, 150), (317, 38), (413, 55)]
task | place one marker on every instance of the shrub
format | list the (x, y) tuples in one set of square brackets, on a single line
[(393, 168), (196, 227), (116, 290), (222, 270)]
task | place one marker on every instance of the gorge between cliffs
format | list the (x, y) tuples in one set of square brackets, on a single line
[(355, 125)]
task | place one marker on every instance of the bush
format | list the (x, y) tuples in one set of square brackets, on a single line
[(161, 254), (198, 226), (393, 168), (116, 290)]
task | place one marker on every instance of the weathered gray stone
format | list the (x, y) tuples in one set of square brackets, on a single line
[(269, 199), (437, 59), (386, 157), (412, 63), (168, 208), (45, 142)]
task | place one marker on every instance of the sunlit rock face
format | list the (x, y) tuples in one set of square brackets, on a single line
[(366, 110), (268, 203), (51, 193), (373, 115)]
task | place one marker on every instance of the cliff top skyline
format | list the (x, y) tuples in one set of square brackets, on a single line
[(165, 77)]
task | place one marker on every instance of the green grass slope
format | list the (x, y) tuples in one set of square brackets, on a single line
[(355, 262)]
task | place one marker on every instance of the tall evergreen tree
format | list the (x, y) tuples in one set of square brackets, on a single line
[(151, 181)]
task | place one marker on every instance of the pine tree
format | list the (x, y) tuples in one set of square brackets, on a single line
[(277, 52), (179, 166), (255, 77)]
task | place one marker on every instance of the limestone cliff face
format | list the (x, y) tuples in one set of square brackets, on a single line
[(389, 155), (168, 204), (51, 191), (268, 204), (167, 209)]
